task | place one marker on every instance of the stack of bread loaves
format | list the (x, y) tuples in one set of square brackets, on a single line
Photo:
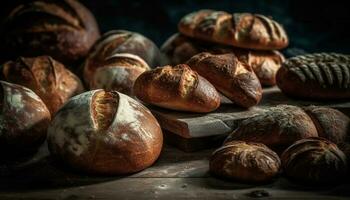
[(310, 141), (100, 131)]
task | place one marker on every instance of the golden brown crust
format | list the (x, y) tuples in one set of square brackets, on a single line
[(330, 123), (278, 127), (315, 160), (178, 88), (243, 30), (245, 161), (118, 73), (104, 132), (48, 78), (316, 76), (120, 41), (64, 30), (24, 119), (230, 76), (179, 48)]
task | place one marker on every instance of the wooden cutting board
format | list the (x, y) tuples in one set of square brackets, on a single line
[(193, 131)]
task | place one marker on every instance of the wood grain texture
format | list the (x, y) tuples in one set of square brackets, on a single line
[(176, 175)]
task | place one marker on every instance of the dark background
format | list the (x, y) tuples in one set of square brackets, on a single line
[(312, 26)]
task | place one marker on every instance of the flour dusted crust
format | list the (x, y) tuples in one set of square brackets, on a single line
[(24, 119), (118, 42), (119, 72), (179, 49), (231, 77), (316, 76), (278, 127), (63, 29), (106, 133), (177, 88), (245, 161), (316, 161), (46, 77), (243, 30)]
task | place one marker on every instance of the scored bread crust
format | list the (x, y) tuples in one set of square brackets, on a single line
[(231, 77), (316, 76), (245, 30), (177, 88), (179, 48)]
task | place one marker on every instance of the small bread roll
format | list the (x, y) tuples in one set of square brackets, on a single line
[(232, 78), (245, 161), (48, 78), (316, 161), (24, 119), (119, 73), (104, 132), (177, 88)]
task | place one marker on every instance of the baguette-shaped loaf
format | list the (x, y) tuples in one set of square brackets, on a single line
[(231, 77), (177, 88), (243, 30), (119, 73), (316, 76), (179, 48)]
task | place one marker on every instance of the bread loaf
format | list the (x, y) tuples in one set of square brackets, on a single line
[(119, 73), (316, 161), (316, 76), (24, 119), (330, 123), (231, 77), (120, 41), (177, 88), (104, 132), (179, 48), (63, 29), (245, 161), (278, 127), (243, 30), (48, 78)]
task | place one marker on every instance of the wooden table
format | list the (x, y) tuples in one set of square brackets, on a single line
[(176, 175)]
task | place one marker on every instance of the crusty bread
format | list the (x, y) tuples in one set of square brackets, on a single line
[(243, 30), (104, 132), (177, 88), (320, 76), (245, 161), (24, 119), (278, 127), (179, 48), (64, 30), (119, 72), (231, 77), (315, 161), (120, 41), (48, 78)]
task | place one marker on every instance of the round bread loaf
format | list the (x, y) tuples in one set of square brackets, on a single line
[(278, 127), (46, 77), (24, 119), (232, 78), (105, 133), (245, 30), (320, 76), (63, 29), (120, 41), (119, 73), (314, 160), (177, 88), (245, 161)]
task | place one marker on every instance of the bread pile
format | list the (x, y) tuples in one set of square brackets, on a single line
[(309, 141)]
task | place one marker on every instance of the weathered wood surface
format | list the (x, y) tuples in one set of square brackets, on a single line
[(227, 117), (176, 175)]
